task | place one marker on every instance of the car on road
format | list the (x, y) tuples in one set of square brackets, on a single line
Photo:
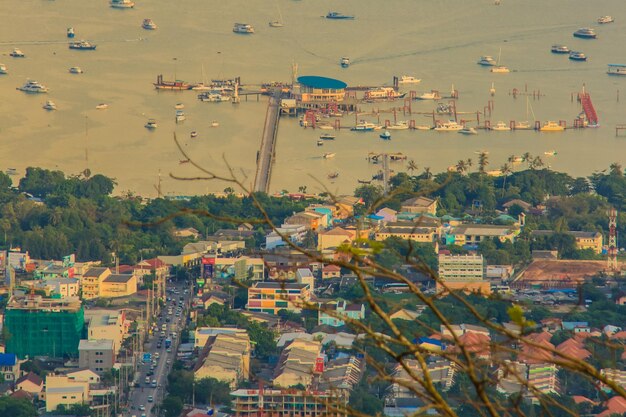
[(142, 407), (168, 361), (154, 383), (147, 380), (149, 373), (150, 398)]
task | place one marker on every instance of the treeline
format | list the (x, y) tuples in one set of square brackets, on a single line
[(52, 215)]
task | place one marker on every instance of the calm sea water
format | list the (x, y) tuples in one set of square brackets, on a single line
[(438, 42)]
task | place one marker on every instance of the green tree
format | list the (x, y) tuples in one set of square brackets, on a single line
[(171, 406), (212, 391), (16, 407)]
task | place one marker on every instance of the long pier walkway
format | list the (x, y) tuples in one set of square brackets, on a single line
[(267, 153)]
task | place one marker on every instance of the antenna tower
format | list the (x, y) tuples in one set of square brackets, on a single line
[(612, 251)]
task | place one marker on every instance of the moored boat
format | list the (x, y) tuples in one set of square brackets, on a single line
[(180, 116), (385, 135), (606, 19), (552, 127), (501, 126), (244, 28), (338, 16), (577, 56), (521, 126), (327, 136), (364, 126), (82, 45), (468, 131), (70, 32), (148, 24), (402, 125), (383, 93), (160, 84), (407, 79), (500, 69), (33, 87), (585, 33), (179, 106), (328, 155), (449, 126), (3, 69), (50, 105), (17, 53), (433, 95), (151, 124), (276, 24), (616, 69), (320, 143), (122, 4), (213, 97), (559, 49), (487, 61), (344, 62), (76, 70)]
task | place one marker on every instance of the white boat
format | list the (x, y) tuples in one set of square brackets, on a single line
[(3, 69), (433, 95), (585, 33), (364, 126), (50, 105), (179, 106), (194, 134), (243, 28), (516, 159), (559, 49), (552, 127), (399, 126), (76, 70), (501, 126), (606, 19), (33, 87), (468, 131), (487, 60), (148, 24), (276, 24), (521, 126), (407, 79), (214, 123), (550, 153), (383, 93), (122, 4), (102, 106), (213, 97), (328, 155), (180, 116), (449, 126), (501, 69), (70, 32), (16, 53), (327, 136), (385, 135), (423, 127), (151, 124), (344, 62), (577, 56), (614, 69)]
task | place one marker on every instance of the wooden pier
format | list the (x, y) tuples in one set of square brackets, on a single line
[(267, 152)]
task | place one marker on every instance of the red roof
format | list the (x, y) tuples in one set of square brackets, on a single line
[(619, 335), (32, 377), (151, 264), (531, 354), (615, 405), (331, 268), (20, 393), (124, 269)]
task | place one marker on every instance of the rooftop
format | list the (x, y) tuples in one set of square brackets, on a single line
[(99, 344), (118, 278), (315, 81)]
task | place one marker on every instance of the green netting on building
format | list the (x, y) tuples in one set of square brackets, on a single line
[(43, 333)]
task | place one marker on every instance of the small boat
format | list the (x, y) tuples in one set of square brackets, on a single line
[(402, 125), (585, 33), (16, 53), (76, 70), (449, 126), (3, 69), (550, 153), (487, 61), (212, 97), (552, 127), (11, 171), (501, 126), (122, 4), (193, 134), (333, 175), (151, 124), (328, 155), (184, 161), (82, 45), (148, 24), (338, 16), (70, 32), (516, 159), (407, 79), (325, 126), (385, 135), (179, 106), (160, 84), (180, 116), (383, 93), (214, 123), (320, 143), (50, 105), (501, 69), (327, 136), (559, 49), (364, 126), (102, 106), (614, 69), (33, 87), (606, 19), (433, 95), (521, 126), (344, 62), (276, 24), (243, 28), (468, 131), (577, 56), (364, 181)]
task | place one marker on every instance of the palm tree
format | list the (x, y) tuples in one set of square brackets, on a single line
[(469, 162), (616, 169), (527, 157), (483, 161), (302, 189), (537, 162), (506, 170), (427, 174), (461, 167), (411, 166)]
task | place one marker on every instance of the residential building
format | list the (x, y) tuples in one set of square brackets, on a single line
[(544, 380), (407, 231), (118, 285), (440, 371), (188, 232), (387, 214), (311, 220), (405, 314), (225, 357), (473, 234), (271, 297), (336, 312), (155, 268), (341, 374), (462, 272), (618, 376), (97, 355), (331, 271), (83, 375), (583, 240), (64, 287), (285, 403), (240, 268), (31, 383), (298, 363), (458, 330), (9, 366), (295, 233), (203, 334), (106, 324), (61, 390), (38, 326), (512, 377), (419, 205), (305, 276), (334, 238), (91, 281)]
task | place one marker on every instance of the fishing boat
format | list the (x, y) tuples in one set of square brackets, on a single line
[(214, 123), (122, 4), (338, 16), (333, 175), (501, 126), (552, 127), (500, 69), (70, 32), (16, 53), (468, 131), (148, 24), (160, 84), (385, 135), (407, 79), (487, 61), (606, 19), (433, 95), (383, 93), (320, 143), (559, 49), (328, 155), (327, 136), (193, 134), (50, 105), (102, 106), (577, 56), (151, 124), (402, 125), (364, 126), (364, 181), (180, 116), (3, 69), (243, 28), (550, 153), (585, 33), (82, 45), (276, 24), (76, 70), (33, 87), (449, 126), (614, 69), (344, 62)]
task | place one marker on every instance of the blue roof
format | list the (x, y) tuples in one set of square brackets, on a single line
[(314, 81), (431, 341), (7, 359)]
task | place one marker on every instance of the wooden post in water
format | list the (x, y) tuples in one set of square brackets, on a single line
[(618, 95)]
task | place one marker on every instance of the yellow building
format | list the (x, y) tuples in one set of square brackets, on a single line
[(106, 324), (588, 240), (419, 205), (271, 297), (335, 238), (463, 272), (62, 390), (91, 281), (297, 364), (413, 233), (226, 357), (118, 285), (473, 234)]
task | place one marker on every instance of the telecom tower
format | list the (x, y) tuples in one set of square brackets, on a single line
[(612, 251)]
